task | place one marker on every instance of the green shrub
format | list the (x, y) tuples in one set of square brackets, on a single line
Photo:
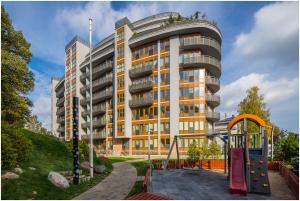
[(84, 150), (193, 152), (23, 146), (8, 153), (16, 146), (287, 148)]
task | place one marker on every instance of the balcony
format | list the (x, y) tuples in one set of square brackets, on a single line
[(102, 82), (60, 120), (103, 95), (203, 61), (212, 83), (60, 111), (95, 136), (60, 92), (208, 45), (60, 102), (83, 101), (141, 87), (140, 71), (96, 124), (83, 77), (141, 102), (212, 100), (83, 90), (99, 70), (213, 116), (61, 129), (96, 110)]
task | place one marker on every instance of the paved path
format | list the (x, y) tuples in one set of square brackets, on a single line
[(116, 186)]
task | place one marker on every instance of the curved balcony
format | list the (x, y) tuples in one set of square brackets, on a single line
[(212, 83), (213, 116), (83, 77), (60, 102), (208, 45), (61, 129), (99, 70), (60, 92), (212, 100), (60, 111), (203, 61), (96, 124), (102, 82), (96, 110), (141, 102), (83, 90), (101, 96), (140, 71), (95, 136), (141, 87), (83, 101), (60, 120)]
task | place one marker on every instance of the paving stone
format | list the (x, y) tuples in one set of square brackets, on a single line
[(115, 186)]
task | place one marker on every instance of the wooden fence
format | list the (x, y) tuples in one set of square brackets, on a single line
[(206, 164)]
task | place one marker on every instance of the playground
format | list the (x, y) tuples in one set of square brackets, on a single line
[(179, 184), (247, 176)]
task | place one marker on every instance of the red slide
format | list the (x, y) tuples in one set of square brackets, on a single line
[(237, 172)]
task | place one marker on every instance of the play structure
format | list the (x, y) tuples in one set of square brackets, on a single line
[(248, 156)]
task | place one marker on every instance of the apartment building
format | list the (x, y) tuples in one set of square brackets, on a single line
[(161, 72)]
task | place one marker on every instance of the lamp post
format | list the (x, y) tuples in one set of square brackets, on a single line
[(91, 106)]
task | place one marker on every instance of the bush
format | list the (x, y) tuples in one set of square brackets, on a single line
[(23, 146), (84, 150), (8, 153), (193, 152), (16, 147), (214, 150), (287, 148)]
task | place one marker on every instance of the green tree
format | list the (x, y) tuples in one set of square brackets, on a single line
[(214, 149), (193, 152), (34, 125), (287, 147), (17, 79), (254, 104)]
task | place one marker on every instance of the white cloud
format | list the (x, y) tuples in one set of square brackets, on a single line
[(103, 15), (273, 37), (277, 93), (41, 99)]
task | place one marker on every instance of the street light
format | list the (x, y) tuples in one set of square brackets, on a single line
[(91, 106)]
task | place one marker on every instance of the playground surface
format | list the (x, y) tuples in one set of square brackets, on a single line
[(181, 184)]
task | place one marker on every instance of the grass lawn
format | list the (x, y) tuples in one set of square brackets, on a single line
[(49, 154), (119, 159), (141, 168)]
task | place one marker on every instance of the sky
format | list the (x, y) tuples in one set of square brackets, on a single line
[(260, 46)]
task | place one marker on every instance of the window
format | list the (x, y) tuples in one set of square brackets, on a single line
[(120, 52), (120, 68), (120, 113), (165, 78), (120, 83), (165, 61), (155, 95), (155, 79), (120, 36), (120, 98)]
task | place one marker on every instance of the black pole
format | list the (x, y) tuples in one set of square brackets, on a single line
[(75, 142)]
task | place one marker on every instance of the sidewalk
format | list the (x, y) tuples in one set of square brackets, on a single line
[(114, 187)]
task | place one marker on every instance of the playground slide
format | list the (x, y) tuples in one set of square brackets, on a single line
[(237, 172)]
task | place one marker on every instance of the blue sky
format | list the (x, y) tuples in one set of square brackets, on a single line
[(260, 46)]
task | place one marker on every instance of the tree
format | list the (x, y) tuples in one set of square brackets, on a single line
[(34, 125), (193, 152), (214, 149), (17, 79), (287, 147), (254, 104)]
